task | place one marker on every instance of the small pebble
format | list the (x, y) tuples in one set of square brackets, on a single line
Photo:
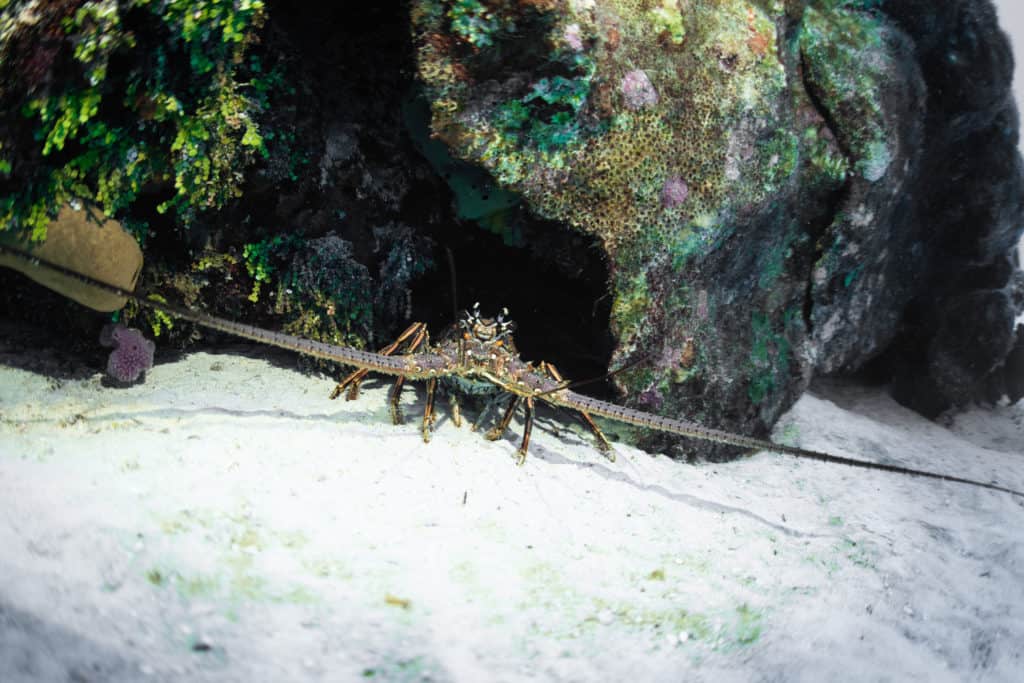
[(684, 636), (605, 617)]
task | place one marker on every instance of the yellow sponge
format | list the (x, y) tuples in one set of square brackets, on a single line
[(89, 243)]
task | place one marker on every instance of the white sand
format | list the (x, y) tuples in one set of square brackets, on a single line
[(224, 521)]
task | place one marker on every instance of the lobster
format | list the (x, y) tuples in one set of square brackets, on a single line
[(477, 355)]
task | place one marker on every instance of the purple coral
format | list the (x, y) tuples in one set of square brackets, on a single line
[(674, 192), (638, 90), (132, 354), (573, 37)]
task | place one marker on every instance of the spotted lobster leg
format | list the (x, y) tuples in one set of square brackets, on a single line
[(416, 335), (495, 433), (428, 410), (603, 444)]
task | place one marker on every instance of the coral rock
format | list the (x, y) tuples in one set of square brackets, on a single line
[(132, 354), (780, 188)]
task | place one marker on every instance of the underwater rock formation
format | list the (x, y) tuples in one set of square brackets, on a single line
[(781, 189), (227, 149), (774, 189)]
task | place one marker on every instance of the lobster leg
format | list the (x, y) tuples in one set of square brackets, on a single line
[(394, 395), (527, 427), (602, 441), (453, 404), (428, 410), (417, 330), (495, 433), (484, 413)]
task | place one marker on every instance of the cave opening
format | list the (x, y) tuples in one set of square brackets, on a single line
[(552, 279), (350, 68)]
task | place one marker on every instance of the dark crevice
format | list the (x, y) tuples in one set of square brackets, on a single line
[(553, 281), (835, 199), (351, 65)]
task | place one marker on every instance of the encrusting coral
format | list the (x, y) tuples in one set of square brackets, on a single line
[(774, 188), (132, 355), (738, 161)]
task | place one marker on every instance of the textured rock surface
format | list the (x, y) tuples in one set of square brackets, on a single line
[(85, 241), (769, 189), (781, 188), (336, 232)]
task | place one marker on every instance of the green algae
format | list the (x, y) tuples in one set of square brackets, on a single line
[(236, 575), (178, 100), (841, 44), (568, 142), (770, 355)]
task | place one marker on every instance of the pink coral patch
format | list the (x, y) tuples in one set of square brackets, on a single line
[(674, 192), (132, 354), (638, 90), (573, 37)]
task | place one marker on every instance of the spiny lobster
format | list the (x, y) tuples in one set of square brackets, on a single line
[(477, 354)]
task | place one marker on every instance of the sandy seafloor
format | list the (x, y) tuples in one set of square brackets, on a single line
[(224, 521)]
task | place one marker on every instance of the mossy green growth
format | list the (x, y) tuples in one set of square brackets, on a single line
[(546, 118), (475, 22), (213, 261), (157, 93), (321, 291), (5, 164), (209, 149), (667, 17), (773, 259), (325, 294), (632, 299), (780, 156), (607, 111), (260, 259), (769, 355), (238, 575), (825, 156), (842, 45), (748, 625), (157, 320)]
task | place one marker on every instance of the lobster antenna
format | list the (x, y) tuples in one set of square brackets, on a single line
[(455, 291), (338, 354), (572, 384), (31, 258)]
